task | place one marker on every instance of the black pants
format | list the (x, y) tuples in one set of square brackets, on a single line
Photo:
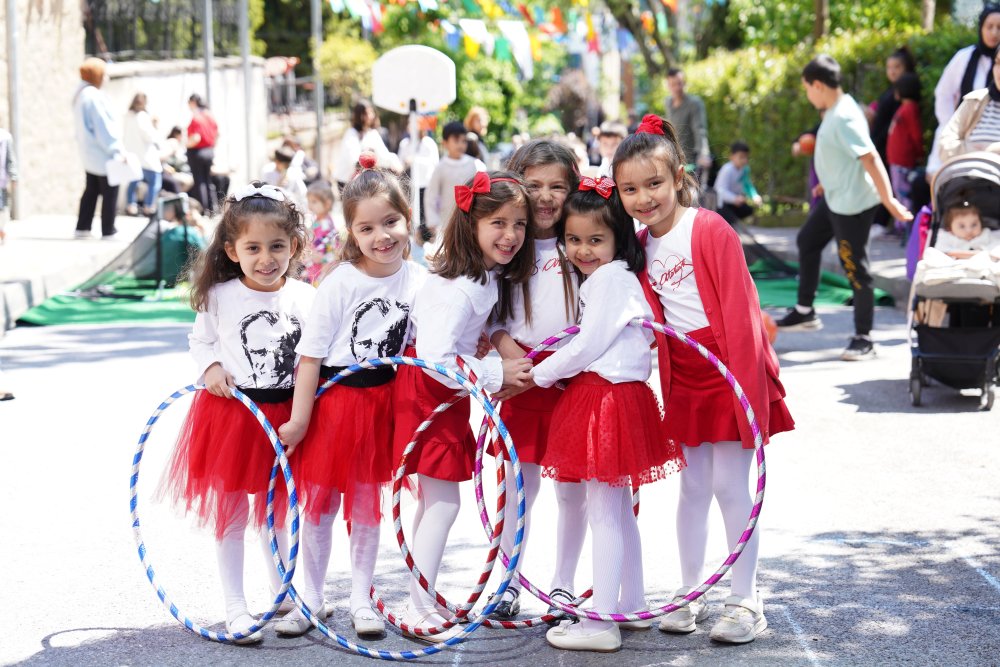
[(733, 214), (200, 161), (97, 186), (851, 234)]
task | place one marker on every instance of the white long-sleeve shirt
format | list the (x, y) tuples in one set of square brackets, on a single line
[(546, 289), (439, 198), (447, 319), (421, 158), (140, 138), (610, 298), (356, 316), (252, 334), (729, 183)]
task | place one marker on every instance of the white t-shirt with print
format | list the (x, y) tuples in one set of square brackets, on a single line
[(672, 274), (357, 316)]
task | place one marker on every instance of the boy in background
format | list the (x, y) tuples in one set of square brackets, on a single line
[(733, 185), (455, 168)]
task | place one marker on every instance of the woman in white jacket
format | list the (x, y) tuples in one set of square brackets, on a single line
[(140, 139)]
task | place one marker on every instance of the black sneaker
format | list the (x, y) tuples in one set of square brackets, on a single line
[(796, 321), (860, 347)]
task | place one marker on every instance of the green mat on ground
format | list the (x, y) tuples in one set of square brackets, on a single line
[(144, 307), (782, 292)]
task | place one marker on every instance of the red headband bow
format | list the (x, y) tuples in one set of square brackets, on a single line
[(651, 124), (603, 186), (481, 183)]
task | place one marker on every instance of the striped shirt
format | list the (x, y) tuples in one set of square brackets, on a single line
[(987, 130)]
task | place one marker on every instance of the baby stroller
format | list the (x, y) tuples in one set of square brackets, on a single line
[(954, 317)]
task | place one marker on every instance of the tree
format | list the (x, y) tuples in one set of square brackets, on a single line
[(927, 22), (656, 51), (822, 25)]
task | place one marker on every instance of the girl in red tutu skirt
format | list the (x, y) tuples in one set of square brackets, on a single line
[(250, 316), (606, 428), (696, 280), (487, 251), (361, 312), (550, 173)]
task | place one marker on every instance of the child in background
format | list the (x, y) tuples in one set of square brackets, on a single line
[(250, 316), (547, 306), (487, 252), (287, 177), (419, 159), (361, 312), (326, 238), (606, 427), (736, 191), (455, 168), (610, 135), (696, 280), (905, 146)]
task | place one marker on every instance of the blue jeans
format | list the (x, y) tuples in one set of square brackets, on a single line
[(154, 181)]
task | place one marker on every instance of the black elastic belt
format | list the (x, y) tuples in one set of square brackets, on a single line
[(370, 377), (277, 395)]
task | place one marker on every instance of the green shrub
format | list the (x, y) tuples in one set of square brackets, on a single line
[(755, 94)]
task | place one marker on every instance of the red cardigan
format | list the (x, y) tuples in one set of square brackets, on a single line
[(733, 311)]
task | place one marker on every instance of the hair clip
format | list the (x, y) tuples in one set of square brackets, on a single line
[(651, 124), (367, 160), (268, 191), (603, 186)]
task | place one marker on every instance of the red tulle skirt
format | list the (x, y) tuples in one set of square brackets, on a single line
[(348, 450), (223, 454), (700, 406), (528, 418), (447, 449), (608, 432)]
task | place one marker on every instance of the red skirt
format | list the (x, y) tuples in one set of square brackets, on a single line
[(608, 432), (349, 442), (528, 418), (447, 449), (223, 454), (700, 406)]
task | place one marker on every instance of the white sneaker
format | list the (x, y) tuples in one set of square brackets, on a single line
[(83, 234), (741, 622), (241, 624), (684, 619)]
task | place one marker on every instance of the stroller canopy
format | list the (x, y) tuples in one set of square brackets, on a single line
[(972, 178)]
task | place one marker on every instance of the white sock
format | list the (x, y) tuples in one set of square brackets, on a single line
[(803, 310), (439, 505), (281, 535), (571, 530), (633, 592), (317, 544), (532, 477), (229, 554), (364, 547), (604, 512), (692, 513), (730, 483)]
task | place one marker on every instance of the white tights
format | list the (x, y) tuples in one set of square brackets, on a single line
[(720, 470), (317, 545), (437, 510), (617, 549)]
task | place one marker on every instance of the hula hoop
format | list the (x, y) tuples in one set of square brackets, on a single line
[(477, 393), (644, 614), (293, 505)]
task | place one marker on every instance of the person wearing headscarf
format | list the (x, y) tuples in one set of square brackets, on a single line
[(98, 136), (968, 70), (975, 125)]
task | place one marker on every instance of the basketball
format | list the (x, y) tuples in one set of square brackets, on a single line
[(807, 144), (772, 328)]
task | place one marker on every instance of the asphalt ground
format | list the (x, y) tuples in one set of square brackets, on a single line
[(880, 527)]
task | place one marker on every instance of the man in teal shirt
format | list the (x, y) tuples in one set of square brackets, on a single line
[(852, 184)]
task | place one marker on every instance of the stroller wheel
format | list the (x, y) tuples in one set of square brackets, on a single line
[(916, 387), (986, 400)]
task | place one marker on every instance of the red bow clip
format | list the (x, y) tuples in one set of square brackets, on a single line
[(651, 124), (464, 194), (603, 186)]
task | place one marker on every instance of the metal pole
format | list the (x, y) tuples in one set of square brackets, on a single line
[(13, 100), (317, 31), (245, 52), (209, 39)]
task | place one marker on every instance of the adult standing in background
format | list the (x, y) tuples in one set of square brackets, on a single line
[(967, 70), (99, 139), (140, 139), (361, 136), (687, 114), (478, 122), (202, 133)]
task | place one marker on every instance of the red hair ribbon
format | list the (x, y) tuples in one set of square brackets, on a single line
[(651, 124), (603, 186), (464, 194)]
